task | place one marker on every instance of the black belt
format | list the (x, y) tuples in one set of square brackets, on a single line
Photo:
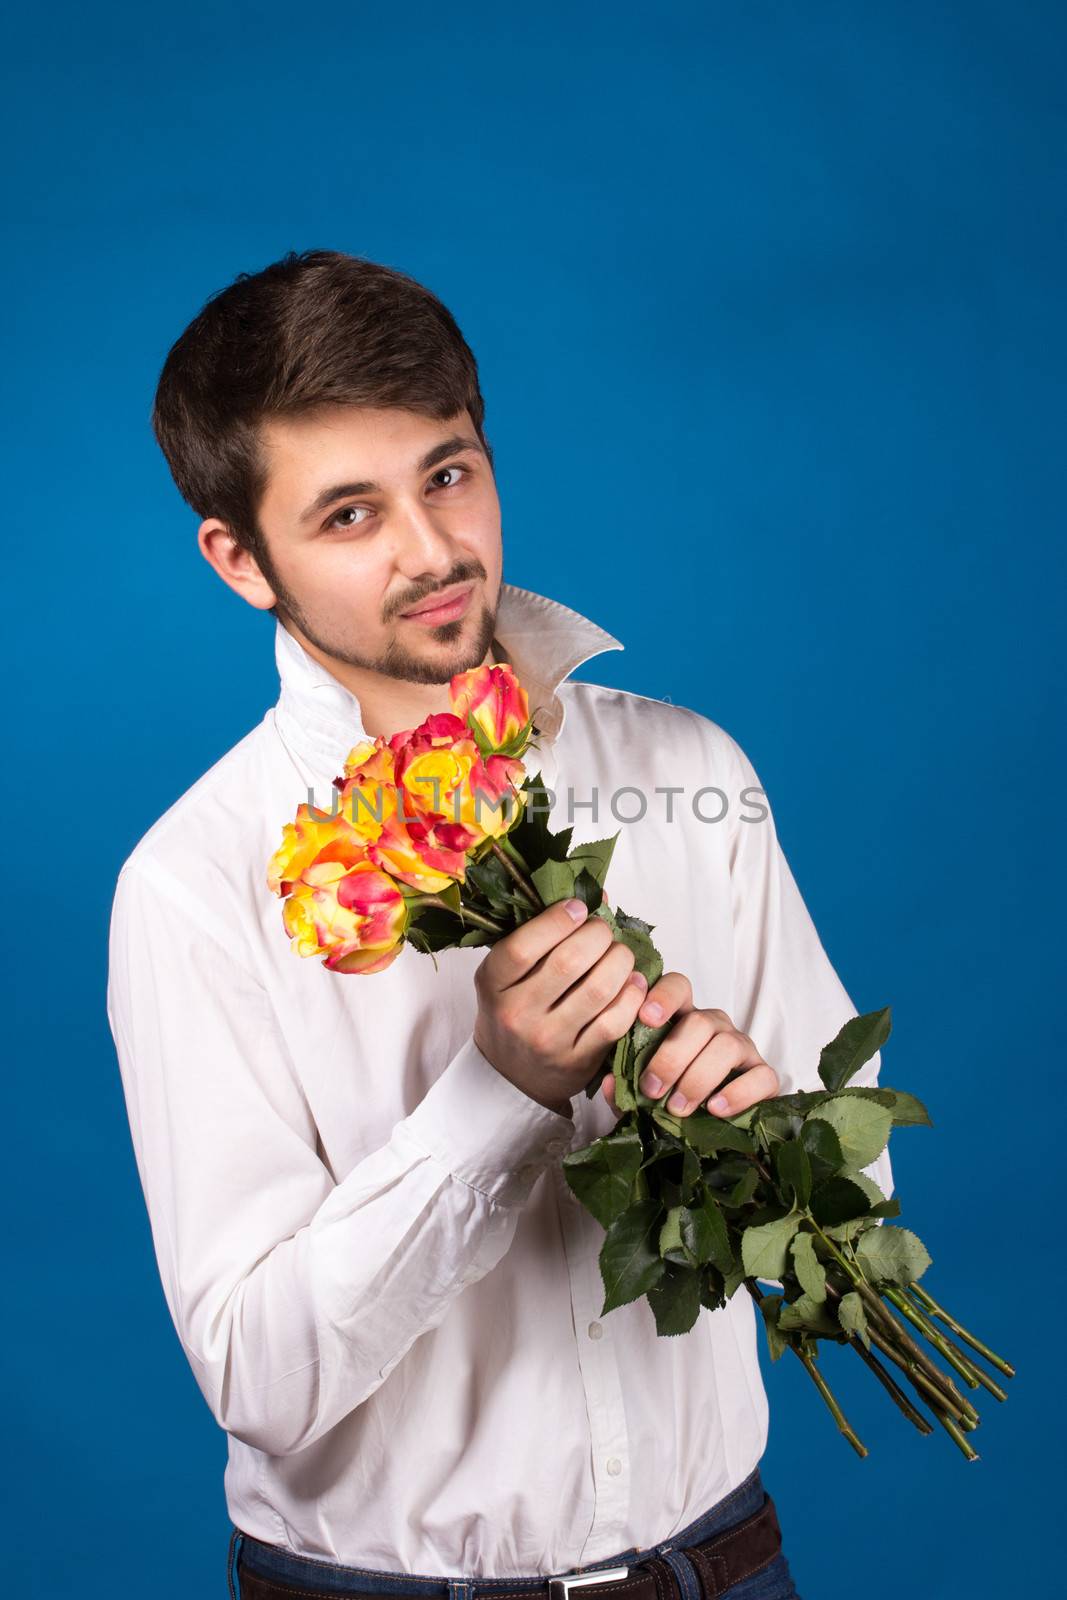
[(720, 1562)]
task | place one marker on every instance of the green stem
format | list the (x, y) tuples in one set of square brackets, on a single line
[(526, 884), (885, 1378), (968, 1338), (465, 913), (955, 1357), (820, 1383), (932, 1393), (956, 1433), (896, 1329), (824, 1389)]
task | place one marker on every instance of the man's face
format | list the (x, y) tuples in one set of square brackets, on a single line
[(371, 514)]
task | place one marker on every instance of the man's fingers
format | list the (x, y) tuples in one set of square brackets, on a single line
[(671, 993), (759, 1082), (512, 957)]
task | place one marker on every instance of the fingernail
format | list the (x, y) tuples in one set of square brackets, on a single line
[(577, 909), (677, 1102), (653, 1011), (719, 1103), (638, 979), (651, 1085)]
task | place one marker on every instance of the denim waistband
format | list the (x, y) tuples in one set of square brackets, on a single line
[(271, 1561)]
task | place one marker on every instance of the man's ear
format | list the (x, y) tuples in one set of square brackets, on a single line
[(234, 564)]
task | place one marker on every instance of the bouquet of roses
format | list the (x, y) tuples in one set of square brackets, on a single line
[(438, 838)]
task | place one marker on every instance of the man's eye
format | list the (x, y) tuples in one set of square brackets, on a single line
[(336, 519), (441, 470)]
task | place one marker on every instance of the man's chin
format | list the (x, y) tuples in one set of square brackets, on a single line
[(442, 652)]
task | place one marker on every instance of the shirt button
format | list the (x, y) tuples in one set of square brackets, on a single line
[(614, 1466), (596, 1330), (554, 1146)]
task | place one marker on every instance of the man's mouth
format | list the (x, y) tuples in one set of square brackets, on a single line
[(442, 607)]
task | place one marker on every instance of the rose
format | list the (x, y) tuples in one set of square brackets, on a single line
[(460, 797), (349, 912), (492, 700), (302, 841), (398, 839)]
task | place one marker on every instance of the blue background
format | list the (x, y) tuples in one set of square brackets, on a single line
[(768, 306)]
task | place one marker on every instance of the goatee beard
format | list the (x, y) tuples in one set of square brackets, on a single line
[(397, 661)]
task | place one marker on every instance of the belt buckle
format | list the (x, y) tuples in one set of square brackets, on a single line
[(560, 1588)]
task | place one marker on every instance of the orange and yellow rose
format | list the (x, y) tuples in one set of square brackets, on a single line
[(461, 795), (347, 911), (411, 810), (493, 700)]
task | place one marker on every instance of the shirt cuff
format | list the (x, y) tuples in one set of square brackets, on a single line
[(485, 1130)]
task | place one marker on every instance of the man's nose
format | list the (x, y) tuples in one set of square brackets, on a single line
[(423, 543)]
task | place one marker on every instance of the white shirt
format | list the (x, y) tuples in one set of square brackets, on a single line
[(386, 1291)]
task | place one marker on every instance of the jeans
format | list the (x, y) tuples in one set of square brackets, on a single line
[(302, 1574)]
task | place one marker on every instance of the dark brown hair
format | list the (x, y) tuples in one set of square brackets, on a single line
[(316, 328)]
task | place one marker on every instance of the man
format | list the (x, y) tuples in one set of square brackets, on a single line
[(386, 1290)]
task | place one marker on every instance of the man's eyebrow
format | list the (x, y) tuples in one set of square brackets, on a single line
[(344, 491)]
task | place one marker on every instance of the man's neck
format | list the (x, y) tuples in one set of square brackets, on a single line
[(389, 705)]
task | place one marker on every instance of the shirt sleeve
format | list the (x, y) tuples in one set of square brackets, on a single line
[(788, 997), (294, 1296)]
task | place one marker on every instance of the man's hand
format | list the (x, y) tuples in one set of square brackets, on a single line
[(702, 1048), (553, 995)]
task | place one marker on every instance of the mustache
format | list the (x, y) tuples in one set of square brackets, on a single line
[(466, 573)]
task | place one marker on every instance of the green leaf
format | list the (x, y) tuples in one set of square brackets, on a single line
[(691, 1173), (892, 1255), (732, 1281), (495, 885), (435, 929), (602, 1174), (862, 1128), (804, 1312), (635, 923), (823, 1147), (793, 1168), (777, 1119), (852, 1317), (647, 959), (870, 1188), (477, 936), (531, 835), (665, 1119), (554, 881), (712, 1287), (859, 1040), (670, 1234), (771, 1306), (595, 857), (605, 913), (704, 1232), (588, 889), (838, 1200), (743, 1189), (847, 1230), (764, 1250), (625, 1099), (709, 1133), (905, 1108), (675, 1299), (630, 1262), (811, 1274)]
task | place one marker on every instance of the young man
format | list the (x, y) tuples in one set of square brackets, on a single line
[(386, 1291)]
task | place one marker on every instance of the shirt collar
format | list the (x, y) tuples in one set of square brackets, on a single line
[(542, 639)]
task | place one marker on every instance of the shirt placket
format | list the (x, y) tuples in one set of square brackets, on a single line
[(609, 1443)]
